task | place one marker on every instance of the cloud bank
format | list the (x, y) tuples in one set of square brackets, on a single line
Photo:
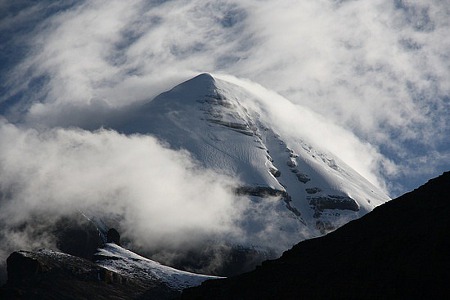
[(160, 197), (163, 202)]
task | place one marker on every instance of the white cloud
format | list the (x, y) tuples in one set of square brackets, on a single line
[(162, 201), (161, 195)]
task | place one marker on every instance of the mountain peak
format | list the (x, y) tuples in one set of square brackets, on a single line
[(213, 119), (204, 77), (203, 82)]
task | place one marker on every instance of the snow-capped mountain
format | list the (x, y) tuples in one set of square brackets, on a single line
[(291, 191), (297, 190)]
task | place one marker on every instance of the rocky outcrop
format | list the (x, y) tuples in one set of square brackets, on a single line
[(320, 203), (303, 178), (260, 191), (313, 190)]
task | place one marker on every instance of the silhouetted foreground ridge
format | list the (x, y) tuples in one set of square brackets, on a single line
[(399, 250)]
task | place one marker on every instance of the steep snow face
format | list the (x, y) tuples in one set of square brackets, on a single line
[(130, 264), (297, 191)]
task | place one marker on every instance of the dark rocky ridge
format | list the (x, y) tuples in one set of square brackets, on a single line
[(47, 274), (398, 251)]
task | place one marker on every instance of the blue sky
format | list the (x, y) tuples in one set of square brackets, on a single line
[(380, 69)]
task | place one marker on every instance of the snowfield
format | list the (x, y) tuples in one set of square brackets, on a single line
[(132, 265)]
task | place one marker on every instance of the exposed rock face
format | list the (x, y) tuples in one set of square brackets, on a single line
[(313, 190), (398, 251), (260, 191), (335, 202)]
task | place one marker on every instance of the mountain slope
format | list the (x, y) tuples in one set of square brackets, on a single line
[(116, 274), (398, 251), (128, 264), (220, 124)]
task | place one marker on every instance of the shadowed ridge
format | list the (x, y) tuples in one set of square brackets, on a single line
[(400, 250)]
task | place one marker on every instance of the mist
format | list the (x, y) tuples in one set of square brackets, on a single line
[(161, 198), (162, 201)]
